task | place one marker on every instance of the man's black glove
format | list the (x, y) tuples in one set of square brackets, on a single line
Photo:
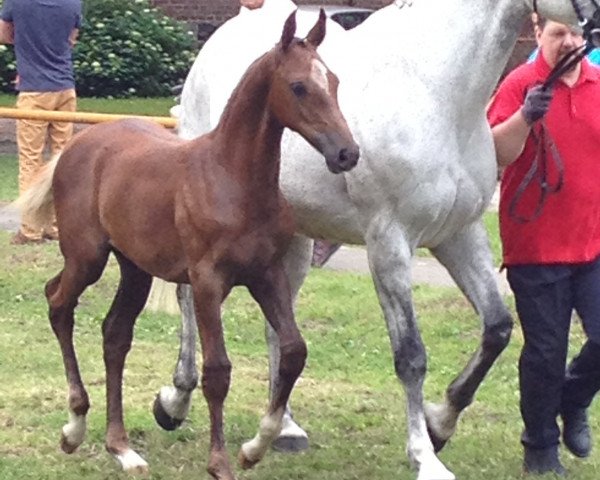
[(536, 104)]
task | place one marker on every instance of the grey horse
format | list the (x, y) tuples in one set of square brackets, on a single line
[(415, 79)]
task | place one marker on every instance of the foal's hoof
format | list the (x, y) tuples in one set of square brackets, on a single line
[(165, 421), (244, 461), (132, 463), (287, 444), (139, 471), (66, 446)]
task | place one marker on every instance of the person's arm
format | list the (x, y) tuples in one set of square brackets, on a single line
[(510, 135), (7, 32), (509, 138), (252, 4)]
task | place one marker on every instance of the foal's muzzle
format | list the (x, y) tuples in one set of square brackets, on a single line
[(341, 155)]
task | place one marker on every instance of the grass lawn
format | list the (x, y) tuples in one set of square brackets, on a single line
[(348, 398), (9, 187)]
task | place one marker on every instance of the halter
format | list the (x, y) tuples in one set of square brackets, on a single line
[(402, 3), (544, 143)]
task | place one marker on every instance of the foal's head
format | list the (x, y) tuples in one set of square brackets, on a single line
[(303, 96)]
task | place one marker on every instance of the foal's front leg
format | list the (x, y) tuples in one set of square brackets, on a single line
[(272, 292), (296, 262), (117, 331), (209, 291)]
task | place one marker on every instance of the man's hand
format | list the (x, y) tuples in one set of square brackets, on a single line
[(73, 37), (536, 104), (252, 4)]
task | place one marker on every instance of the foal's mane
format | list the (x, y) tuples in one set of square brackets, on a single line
[(260, 71)]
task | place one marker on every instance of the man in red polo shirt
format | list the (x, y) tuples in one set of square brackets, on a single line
[(551, 242)]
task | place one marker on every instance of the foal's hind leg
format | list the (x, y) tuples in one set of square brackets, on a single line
[(468, 259), (172, 404), (272, 292), (62, 293), (117, 331)]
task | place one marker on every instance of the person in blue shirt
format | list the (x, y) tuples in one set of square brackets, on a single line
[(43, 33)]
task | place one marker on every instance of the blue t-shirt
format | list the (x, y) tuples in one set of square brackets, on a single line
[(42, 29)]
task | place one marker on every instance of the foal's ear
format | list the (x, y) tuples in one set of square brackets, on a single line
[(317, 33), (289, 30)]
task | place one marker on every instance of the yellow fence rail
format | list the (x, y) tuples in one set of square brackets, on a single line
[(78, 117)]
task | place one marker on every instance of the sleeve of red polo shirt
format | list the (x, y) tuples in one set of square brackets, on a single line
[(507, 100)]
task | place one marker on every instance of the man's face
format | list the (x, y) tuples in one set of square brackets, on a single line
[(556, 40)]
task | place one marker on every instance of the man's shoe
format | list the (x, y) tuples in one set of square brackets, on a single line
[(20, 238), (576, 432), (541, 461)]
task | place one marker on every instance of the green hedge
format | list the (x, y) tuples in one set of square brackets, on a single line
[(8, 68), (125, 48)]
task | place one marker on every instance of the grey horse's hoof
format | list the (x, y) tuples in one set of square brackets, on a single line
[(438, 443), (290, 444), (165, 421)]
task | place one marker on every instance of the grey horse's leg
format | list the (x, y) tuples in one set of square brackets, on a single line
[(468, 259), (297, 265), (390, 257), (172, 404)]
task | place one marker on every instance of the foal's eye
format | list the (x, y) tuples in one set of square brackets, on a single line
[(299, 89)]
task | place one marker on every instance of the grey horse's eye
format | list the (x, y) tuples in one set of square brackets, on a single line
[(299, 89)]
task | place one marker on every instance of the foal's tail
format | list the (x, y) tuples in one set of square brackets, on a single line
[(36, 203)]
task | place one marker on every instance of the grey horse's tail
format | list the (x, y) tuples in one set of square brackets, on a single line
[(163, 297), (36, 203)]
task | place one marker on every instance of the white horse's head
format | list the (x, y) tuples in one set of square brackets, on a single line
[(566, 11)]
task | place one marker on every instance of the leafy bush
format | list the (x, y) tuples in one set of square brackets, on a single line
[(125, 48), (8, 66)]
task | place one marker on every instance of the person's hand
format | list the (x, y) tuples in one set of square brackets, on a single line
[(536, 104), (252, 4)]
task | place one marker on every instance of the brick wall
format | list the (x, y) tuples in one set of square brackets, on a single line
[(217, 11)]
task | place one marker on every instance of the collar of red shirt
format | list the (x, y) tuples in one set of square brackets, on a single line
[(589, 73)]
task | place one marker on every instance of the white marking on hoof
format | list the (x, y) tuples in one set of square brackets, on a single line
[(74, 432), (434, 470), (176, 403), (441, 419), (132, 463), (270, 426), (421, 454)]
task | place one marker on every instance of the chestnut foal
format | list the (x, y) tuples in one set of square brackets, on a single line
[(207, 212)]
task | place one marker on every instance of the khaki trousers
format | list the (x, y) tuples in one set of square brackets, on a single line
[(31, 140)]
